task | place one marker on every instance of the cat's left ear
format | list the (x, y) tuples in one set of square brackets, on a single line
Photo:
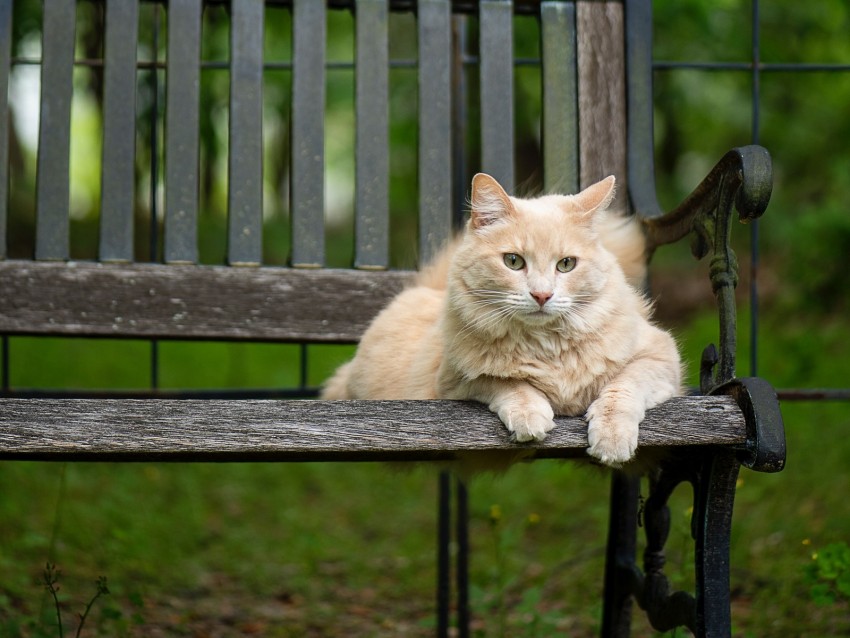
[(596, 197), (490, 203)]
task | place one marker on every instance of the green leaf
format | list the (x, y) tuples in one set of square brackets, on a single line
[(822, 594), (842, 583)]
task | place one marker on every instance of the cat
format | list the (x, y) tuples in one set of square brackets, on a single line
[(529, 312)]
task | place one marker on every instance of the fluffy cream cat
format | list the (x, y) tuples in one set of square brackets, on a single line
[(529, 312)]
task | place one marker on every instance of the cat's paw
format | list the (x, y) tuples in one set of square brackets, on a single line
[(528, 423), (612, 436)]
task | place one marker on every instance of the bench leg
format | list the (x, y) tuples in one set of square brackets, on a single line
[(708, 614), (444, 496), (445, 511), (620, 556), (713, 503)]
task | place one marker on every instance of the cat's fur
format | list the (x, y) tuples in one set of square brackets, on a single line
[(531, 342)]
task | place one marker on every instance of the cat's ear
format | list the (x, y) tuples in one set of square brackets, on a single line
[(490, 203), (597, 196)]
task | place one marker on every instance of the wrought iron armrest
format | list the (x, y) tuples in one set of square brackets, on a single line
[(742, 181)]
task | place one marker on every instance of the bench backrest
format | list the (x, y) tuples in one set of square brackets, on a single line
[(466, 97)]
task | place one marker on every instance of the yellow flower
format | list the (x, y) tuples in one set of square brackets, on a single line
[(533, 518), (495, 513)]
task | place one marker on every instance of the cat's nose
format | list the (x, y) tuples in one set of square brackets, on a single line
[(541, 297)]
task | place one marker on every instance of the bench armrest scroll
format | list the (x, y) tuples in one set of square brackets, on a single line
[(742, 180)]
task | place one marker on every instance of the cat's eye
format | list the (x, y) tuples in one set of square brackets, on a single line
[(514, 261), (566, 264)]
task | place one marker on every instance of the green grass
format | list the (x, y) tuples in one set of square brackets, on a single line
[(298, 550)]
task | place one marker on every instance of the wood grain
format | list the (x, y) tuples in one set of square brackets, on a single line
[(191, 302), (207, 430), (602, 93)]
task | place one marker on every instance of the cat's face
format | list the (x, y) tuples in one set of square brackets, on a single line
[(535, 261)]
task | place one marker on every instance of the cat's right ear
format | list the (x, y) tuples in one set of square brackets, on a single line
[(490, 203)]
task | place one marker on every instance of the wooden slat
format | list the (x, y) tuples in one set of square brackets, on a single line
[(435, 129), (497, 91), (245, 182), (308, 134), (602, 93), (560, 97), (372, 153), (119, 131), (5, 68), (191, 302), (182, 94), (54, 131), (207, 430)]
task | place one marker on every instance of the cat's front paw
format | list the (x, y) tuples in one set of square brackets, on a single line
[(528, 423), (612, 436)]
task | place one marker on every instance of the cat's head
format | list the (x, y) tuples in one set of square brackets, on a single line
[(532, 261)]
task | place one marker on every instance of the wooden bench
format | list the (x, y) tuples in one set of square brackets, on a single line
[(596, 70)]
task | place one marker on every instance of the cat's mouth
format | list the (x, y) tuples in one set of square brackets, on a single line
[(539, 315)]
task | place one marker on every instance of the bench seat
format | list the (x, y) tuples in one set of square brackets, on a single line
[(267, 430)]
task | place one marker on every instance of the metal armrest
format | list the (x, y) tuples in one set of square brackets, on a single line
[(741, 180)]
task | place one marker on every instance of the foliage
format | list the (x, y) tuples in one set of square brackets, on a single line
[(829, 574), (51, 583)]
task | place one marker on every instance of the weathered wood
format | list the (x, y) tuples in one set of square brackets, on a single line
[(435, 126), (372, 152), (191, 302), (560, 97), (52, 239), (182, 133), (307, 198), (602, 93), (497, 91), (52, 429), (118, 171), (245, 153)]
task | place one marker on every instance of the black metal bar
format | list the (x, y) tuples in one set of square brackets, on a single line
[(714, 501), (462, 559), (283, 65), (620, 555), (497, 91), (754, 228), (560, 97), (245, 181), (443, 558), (154, 393), (118, 187), (181, 131), (372, 145), (308, 134), (814, 394), (764, 67), (54, 131), (435, 126), (521, 7), (5, 69)]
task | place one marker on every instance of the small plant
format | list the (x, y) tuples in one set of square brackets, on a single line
[(51, 583), (829, 574)]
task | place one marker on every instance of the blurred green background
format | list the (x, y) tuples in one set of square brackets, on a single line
[(345, 550)]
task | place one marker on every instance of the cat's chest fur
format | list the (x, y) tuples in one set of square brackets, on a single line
[(570, 371)]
